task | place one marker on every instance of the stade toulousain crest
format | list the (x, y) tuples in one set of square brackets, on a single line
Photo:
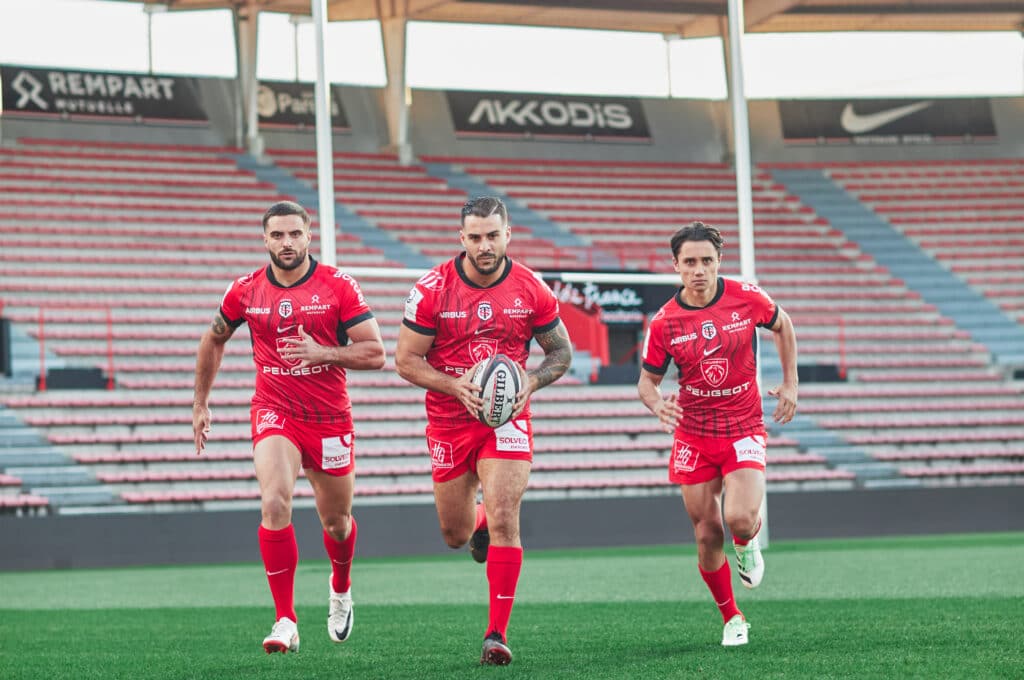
[(484, 311)]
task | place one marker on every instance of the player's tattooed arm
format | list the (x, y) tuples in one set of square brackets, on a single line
[(557, 356), (208, 358), (220, 328)]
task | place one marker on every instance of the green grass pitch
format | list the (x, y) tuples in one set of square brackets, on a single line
[(925, 607)]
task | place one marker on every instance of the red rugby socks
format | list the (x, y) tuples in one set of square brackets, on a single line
[(720, 584), (280, 554), (503, 566), (341, 559)]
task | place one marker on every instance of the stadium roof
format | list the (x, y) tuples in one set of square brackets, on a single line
[(687, 18)]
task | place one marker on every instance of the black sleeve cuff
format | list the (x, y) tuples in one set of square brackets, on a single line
[(422, 330)]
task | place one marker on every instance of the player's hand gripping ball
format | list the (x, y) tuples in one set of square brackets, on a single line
[(499, 382)]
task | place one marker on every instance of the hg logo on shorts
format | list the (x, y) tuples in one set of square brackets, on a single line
[(440, 455), (684, 459), (267, 419)]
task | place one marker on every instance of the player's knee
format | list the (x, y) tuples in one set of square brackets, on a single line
[(338, 526), (709, 535), (454, 538), (276, 510), (742, 524)]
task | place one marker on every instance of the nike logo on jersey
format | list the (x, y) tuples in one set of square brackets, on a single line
[(482, 330), (709, 352), (285, 329), (857, 124)]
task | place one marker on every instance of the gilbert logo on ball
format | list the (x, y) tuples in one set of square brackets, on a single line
[(498, 379)]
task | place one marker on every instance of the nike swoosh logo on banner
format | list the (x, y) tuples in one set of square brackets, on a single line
[(856, 123), (712, 350)]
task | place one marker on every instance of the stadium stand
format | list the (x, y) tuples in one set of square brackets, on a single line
[(130, 447), (117, 276)]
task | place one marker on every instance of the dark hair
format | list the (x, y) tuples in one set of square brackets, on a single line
[(285, 208), (484, 206), (696, 231)]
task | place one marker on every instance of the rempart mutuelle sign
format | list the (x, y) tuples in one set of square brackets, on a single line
[(516, 114), (66, 93), (886, 121)]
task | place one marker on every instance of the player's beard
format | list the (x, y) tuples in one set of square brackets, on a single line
[(297, 261), (486, 271)]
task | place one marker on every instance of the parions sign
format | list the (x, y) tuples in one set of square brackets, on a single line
[(515, 114), (284, 104)]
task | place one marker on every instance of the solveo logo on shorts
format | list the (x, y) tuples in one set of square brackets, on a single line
[(507, 113), (336, 452), (512, 436), (750, 449)]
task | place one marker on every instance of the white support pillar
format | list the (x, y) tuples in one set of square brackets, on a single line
[(246, 25), (393, 37), (324, 147)]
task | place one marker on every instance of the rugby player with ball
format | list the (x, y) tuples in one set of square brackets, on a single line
[(474, 317)]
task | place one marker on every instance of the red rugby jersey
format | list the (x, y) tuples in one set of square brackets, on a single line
[(326, 302), (715, 350), (470, 323)]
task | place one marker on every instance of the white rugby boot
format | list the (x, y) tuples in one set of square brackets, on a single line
[(339, 614), (749, 563), (284, 637), (735, 632)]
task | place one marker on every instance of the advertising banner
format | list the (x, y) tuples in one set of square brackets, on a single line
[(607, 319), (67, 93), (886, 121), (515, 114), (291, 105)]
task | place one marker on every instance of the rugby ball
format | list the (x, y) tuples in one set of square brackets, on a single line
[(498, 379)]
